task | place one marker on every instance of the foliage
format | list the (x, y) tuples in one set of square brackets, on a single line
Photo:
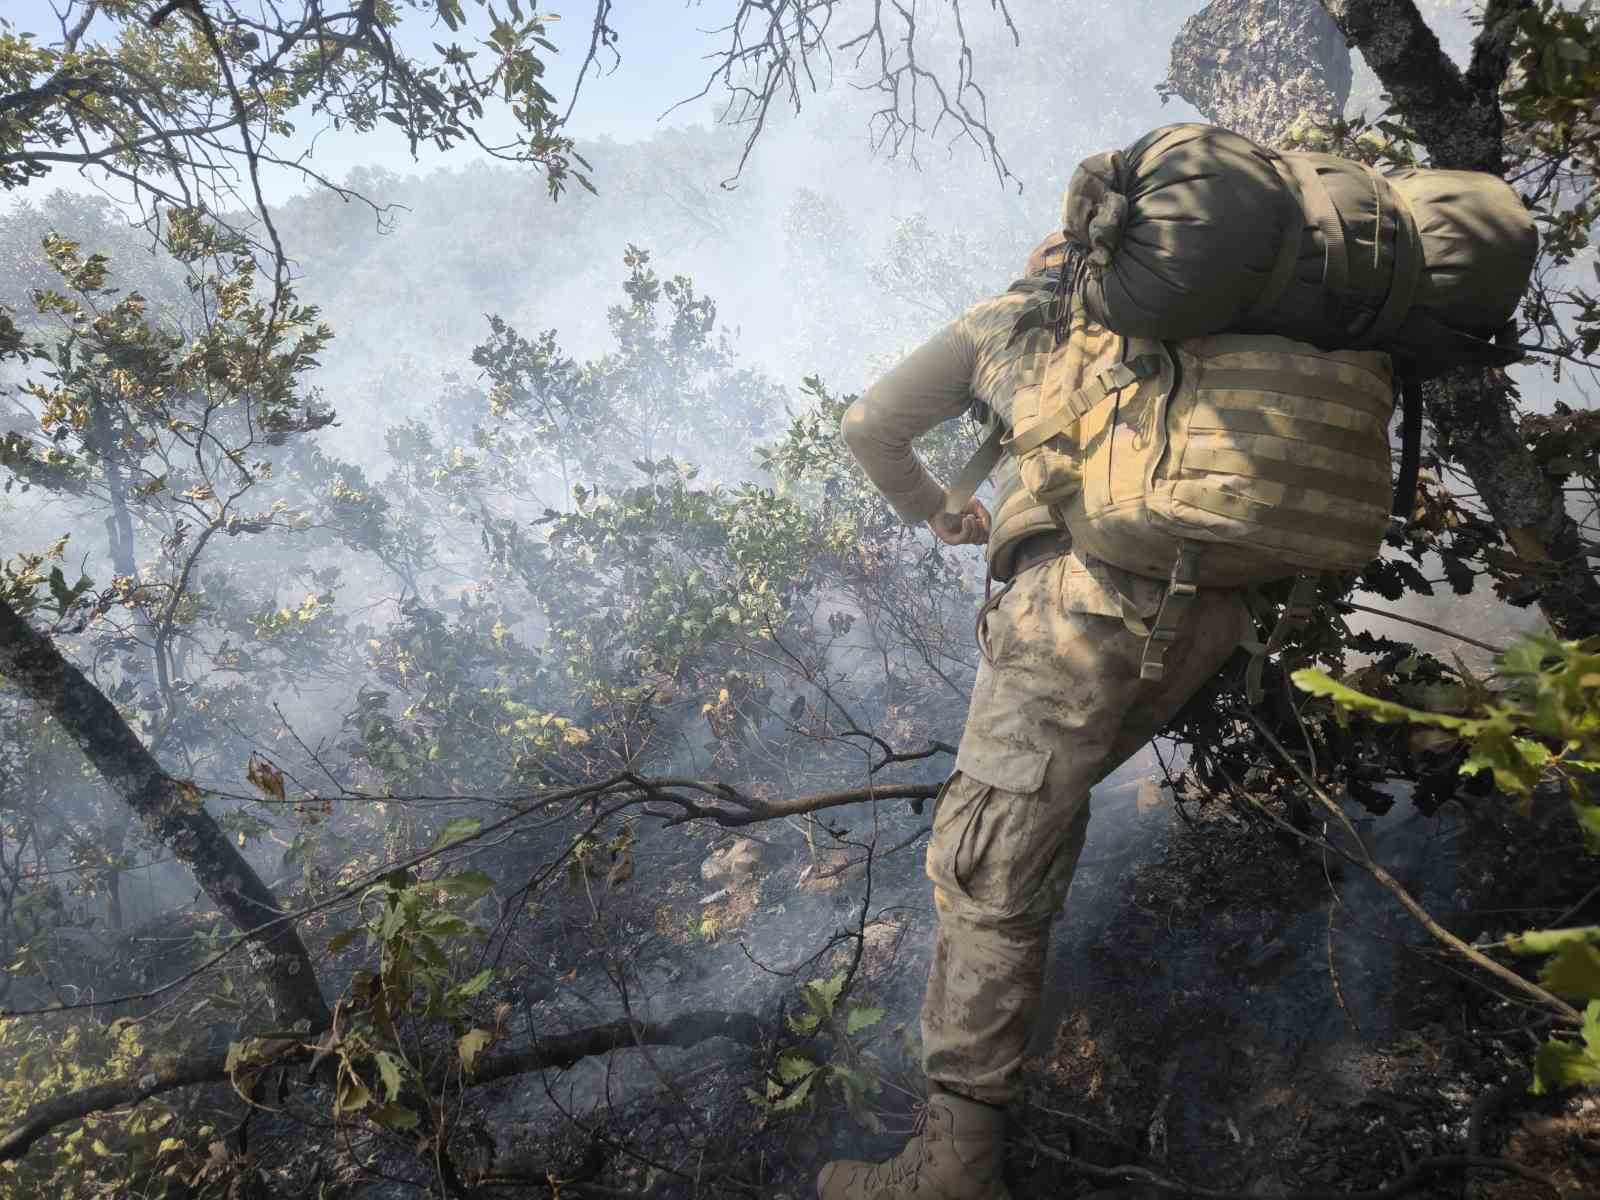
[(93, 1160), (795, 1074), (168, 102)]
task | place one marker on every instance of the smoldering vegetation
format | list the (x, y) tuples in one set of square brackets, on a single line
[(530, 652)]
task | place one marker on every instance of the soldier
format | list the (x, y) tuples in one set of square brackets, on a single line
[(1057, 705)]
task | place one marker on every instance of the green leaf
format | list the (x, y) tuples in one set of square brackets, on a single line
[(1589, 821), (806, 1023), (352, 1096), (1548, 941), (469, 885), (1308, 679), (821, 995), (862, 1018), (475, 985), (457, 830), (1574, 971), (397, 1117), (1561, 1065), (795, 1098), (796, 1075), (793, 1066)]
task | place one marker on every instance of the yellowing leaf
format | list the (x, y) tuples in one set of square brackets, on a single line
[(389, 1070), (470, 1045)]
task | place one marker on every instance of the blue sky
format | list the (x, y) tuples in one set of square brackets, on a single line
[(663, 43)]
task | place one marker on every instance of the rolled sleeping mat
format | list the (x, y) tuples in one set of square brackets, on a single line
[(1194, 230)]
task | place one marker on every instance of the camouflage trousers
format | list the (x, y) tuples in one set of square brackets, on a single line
[(1058, 704)]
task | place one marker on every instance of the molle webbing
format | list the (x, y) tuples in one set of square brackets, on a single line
[(1296, 459), (1056, 419)]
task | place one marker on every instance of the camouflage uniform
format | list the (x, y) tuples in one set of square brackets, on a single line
[(1057, 705)]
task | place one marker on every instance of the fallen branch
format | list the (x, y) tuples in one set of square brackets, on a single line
[(687, 1029), (749, 811), (81, 1103)]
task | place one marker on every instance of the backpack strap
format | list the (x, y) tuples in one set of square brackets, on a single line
[(1294, 223), (1169, 618), (1112, 379), (1407, 273), (1296, 613), (1320, 208), (977, 470), (1405, 489)]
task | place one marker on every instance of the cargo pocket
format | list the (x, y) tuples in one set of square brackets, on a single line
[(984, 854)]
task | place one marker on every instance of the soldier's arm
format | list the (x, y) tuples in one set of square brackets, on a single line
[(930, 385)]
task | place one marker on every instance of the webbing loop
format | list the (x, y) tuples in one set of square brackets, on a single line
[(1181, 591), (1297, 612)]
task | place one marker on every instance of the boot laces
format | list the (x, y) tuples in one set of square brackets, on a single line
[(905, 1167)]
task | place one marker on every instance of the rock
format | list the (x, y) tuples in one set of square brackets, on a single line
[(1254, 66), (1150, 797), (732, 863)]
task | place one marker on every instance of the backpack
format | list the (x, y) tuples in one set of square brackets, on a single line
[(1207, 399), (1226, 461)]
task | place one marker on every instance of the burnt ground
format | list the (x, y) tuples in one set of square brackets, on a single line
[(1200, 1026), (1215, 1016)]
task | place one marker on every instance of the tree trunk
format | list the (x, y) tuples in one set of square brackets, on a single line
[(1456, 116), (30, 661)]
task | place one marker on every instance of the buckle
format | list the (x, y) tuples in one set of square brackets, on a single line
[(1115, 378)]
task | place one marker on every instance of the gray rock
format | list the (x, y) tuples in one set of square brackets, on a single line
[(1254, 66), (732, 862)]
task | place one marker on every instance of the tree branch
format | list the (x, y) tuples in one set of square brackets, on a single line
[(687, 1029), (1447, 114)]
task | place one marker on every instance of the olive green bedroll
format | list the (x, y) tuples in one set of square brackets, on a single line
[(1194, 230)]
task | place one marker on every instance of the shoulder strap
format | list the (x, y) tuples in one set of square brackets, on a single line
[(1405, 491), (976, 471), (1113, 378)]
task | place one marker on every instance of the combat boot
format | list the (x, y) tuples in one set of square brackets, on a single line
[(956, 1156)]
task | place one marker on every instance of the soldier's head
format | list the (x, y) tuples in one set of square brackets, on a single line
[(1047, 255)]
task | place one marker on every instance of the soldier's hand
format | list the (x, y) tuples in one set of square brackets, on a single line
[(969, 527)]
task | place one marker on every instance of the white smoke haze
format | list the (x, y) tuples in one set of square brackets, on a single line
[(825, 256)]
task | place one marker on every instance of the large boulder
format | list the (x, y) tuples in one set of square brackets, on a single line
[(1254, 66)]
